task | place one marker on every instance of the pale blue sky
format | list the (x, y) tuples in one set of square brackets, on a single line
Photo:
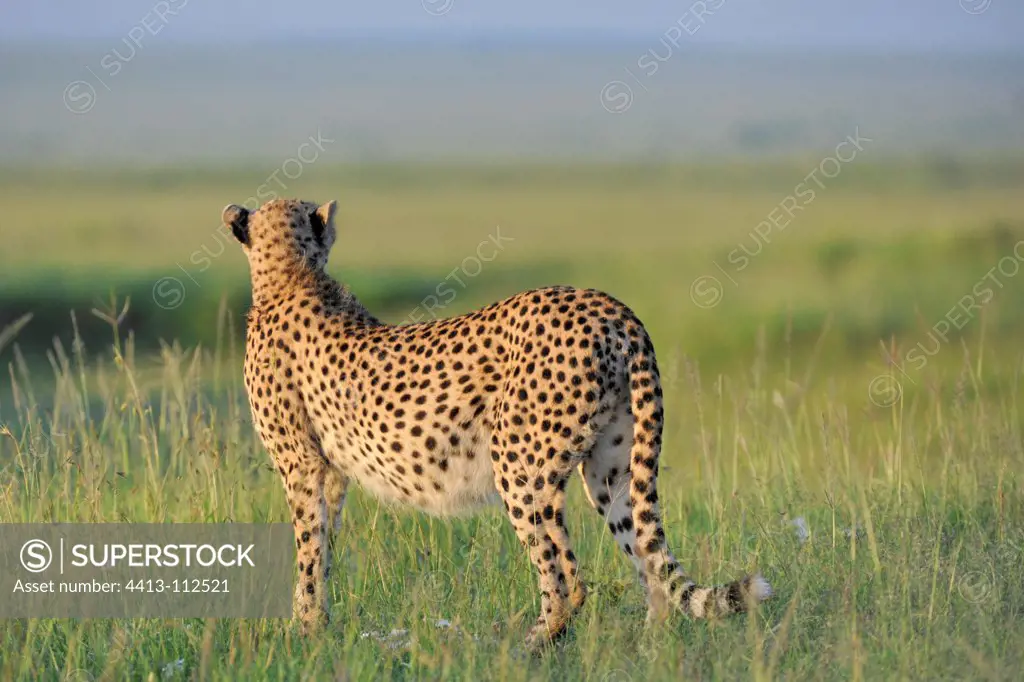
[(910, 24)]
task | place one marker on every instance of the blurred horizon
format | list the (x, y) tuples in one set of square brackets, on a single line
[(472, 102), (181, 82)]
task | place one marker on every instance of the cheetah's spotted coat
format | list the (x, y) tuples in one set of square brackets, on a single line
[(504, 402)]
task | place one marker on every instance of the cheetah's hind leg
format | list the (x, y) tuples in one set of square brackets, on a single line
[(534, 499)]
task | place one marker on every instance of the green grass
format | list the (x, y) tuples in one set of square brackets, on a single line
[(929, 585), (914, 564)]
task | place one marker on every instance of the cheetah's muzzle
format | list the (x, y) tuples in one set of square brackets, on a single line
[(501, 403)]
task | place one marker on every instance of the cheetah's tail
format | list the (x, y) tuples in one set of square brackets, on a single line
[(662, 572)]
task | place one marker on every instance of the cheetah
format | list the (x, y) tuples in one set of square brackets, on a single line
[(503, 403)]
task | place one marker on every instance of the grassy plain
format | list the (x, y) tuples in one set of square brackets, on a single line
[(796, 402)]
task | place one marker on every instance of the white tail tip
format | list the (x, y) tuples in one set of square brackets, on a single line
[(759, 588)]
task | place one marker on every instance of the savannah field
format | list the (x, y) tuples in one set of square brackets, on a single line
[(842, 397), (838, 333)]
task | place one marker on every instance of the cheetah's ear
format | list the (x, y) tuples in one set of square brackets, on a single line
[(322, 222), (237, 218), (326, 213)]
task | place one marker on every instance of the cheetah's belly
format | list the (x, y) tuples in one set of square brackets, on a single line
[(447, 482)]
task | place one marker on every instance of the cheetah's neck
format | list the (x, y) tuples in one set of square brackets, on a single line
[(339, 299), (284, 288)]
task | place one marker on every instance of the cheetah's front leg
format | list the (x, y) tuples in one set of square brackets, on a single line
[(304, 484)]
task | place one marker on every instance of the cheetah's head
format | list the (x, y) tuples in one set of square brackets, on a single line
[(283, 231)]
